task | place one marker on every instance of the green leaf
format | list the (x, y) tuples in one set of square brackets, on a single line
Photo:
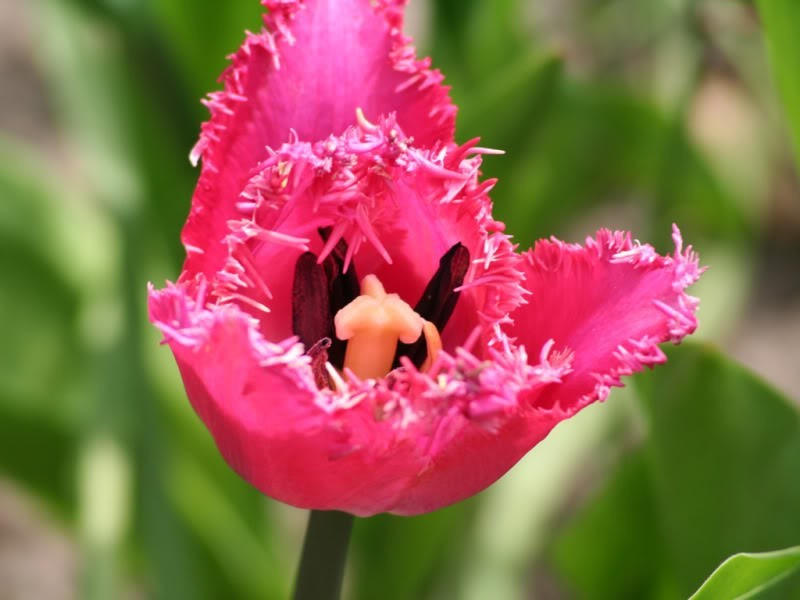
[(419, 547), (44, 216), (511, 100), (744, 575), (622, 516), (724, 455), (552, 171), (201, 36), (486, 53), (720, 475), (37, 355), (781, 20), (42, 266), (127, 118), (249, 565), (39, 455)]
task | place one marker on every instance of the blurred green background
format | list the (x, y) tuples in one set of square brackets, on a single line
[(622, 113)]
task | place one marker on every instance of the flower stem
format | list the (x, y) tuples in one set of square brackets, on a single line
[(324, 556)]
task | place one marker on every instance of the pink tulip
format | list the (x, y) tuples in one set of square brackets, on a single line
[(328, 157)]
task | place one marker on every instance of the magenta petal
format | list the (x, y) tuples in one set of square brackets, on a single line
[(606, 306), (269, 421), (473, 461), (307, 72), (487, 424), (339, 55)]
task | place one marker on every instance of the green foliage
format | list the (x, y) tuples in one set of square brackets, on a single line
[(719, 473), (618, 527), (781, 19), (420, 544), (746, 575)]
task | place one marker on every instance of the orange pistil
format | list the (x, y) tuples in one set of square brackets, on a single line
[(373, 323)]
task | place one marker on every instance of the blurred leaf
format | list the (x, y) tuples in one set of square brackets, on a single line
[(684, 188), (781, 20), (622, 520), (450, 18), (473, 40), (573, 146), (110, 102), (82, 62), (56, 253), (722, 462), (39, 349), (201, 35), (38, 454), (41, 270), (103, 477), (485, 50), (724, 454), (43, 215), (744, 575), (237, 546), (515, 523), (594, 144), (604, 29), (510, 100), (131, 142), (417, 548)]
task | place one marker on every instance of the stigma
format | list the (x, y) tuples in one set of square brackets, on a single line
[(374, 323)]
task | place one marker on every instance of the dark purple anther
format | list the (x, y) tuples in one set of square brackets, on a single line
[(343, 288), (438, 301), (319, 356), (312, 318)]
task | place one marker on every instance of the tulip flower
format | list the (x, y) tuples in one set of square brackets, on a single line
[(352, 325), (484, 349)]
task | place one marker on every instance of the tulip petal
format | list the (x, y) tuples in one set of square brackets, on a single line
[(487, 421), (303, 77), (606, 306), (271, 423)]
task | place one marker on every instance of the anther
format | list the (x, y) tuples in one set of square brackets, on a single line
[(438, 301)]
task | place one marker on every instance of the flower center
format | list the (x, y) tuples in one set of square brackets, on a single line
[(373, 323), (371, 332)]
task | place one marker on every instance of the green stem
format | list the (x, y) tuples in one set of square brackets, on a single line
[(324, 556)]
